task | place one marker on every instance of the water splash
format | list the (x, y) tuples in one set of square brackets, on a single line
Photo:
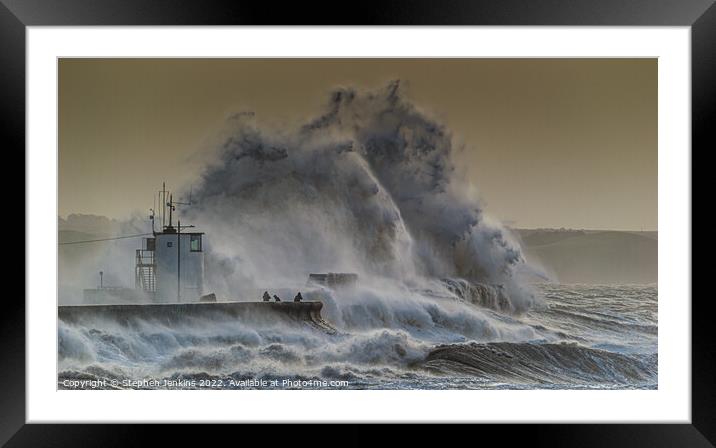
[(369, 187)]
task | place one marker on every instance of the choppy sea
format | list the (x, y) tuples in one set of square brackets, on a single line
[(578, 337)]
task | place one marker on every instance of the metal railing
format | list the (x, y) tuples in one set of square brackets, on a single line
[(145, 271)]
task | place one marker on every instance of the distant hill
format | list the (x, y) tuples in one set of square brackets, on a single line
[(589, 256), (79, 264), (69, 236), (570, 256), (92, 224)]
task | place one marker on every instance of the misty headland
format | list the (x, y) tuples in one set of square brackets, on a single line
[(599, 257)]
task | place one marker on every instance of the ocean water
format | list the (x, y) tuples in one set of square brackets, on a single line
[(580, 336)]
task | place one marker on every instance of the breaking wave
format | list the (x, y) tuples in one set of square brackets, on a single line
[(563, 365), (453, 345), (368, 187)]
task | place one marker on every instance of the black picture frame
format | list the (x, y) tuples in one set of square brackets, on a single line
[(699, 15)]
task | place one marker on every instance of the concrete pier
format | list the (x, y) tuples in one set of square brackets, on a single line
[(257, 313)]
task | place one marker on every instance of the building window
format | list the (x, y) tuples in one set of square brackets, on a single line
[(195, 243), (169, 244)]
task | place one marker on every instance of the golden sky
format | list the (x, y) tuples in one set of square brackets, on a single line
[(548, 142)]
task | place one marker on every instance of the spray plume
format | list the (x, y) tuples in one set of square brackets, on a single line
[(369, 187)]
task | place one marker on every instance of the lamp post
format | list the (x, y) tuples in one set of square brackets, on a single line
[(178, 261)]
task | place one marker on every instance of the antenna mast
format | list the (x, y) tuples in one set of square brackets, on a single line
[(164, 202), (170, 204)]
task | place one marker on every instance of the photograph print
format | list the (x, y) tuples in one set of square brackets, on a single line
[(390, 223)]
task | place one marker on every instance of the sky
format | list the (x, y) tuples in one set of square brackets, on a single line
[(546, 142)]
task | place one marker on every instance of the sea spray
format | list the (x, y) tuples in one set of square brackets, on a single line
[(369, 187)]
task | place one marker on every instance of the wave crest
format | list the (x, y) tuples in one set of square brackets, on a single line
[(369, 187)]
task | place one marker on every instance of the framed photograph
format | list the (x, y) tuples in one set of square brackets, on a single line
[(484, 218)]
